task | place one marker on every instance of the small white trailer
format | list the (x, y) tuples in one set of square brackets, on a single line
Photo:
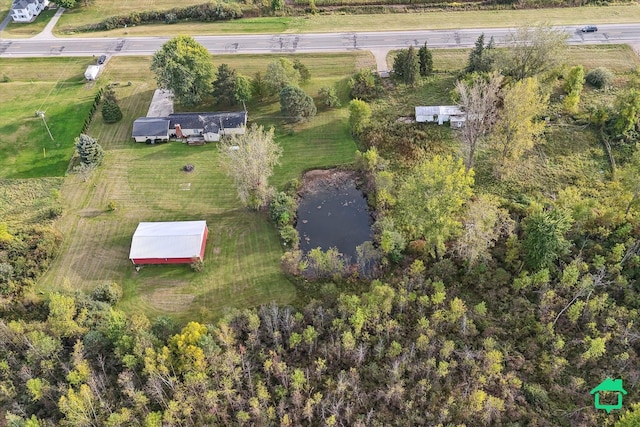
[(92, 72)]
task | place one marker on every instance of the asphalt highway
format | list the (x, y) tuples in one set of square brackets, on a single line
[(298, 43)]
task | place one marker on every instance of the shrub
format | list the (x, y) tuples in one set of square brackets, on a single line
[(197, 265), (54, 212), (365, 85), (328, 97), (290, 236), (282, 209), (599, 77), (107, 292)]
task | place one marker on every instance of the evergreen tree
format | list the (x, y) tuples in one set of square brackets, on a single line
[(224, 86), (111, 112), (411, 66), (544, 240), (406, 66), (296, 105), (90, 152), (426, 60), (480, 57)]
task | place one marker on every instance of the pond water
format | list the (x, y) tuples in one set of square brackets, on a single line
[(333, 212)]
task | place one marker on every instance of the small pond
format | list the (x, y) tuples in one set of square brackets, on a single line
[(333, 213)]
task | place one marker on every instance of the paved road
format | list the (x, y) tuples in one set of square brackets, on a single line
[(290, 43)]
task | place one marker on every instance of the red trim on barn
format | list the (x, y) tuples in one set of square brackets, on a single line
[(204, 242), (145, 261), (148, 261)]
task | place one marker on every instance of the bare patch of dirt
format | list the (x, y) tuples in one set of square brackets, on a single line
[(90, 213), (319, 179)]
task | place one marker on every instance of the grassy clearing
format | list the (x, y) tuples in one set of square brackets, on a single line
[(147, 184), (21, 30), (5, 6), (53, 85), (26, 201), (432, 20)]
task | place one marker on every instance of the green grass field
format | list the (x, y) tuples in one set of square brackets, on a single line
[(55, 86), (146, 183), (432, 20), (20, 30)]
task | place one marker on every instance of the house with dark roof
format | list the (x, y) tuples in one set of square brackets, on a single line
[(27, 10), (191, 127), (151, 129)]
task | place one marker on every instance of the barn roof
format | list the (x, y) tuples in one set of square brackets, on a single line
[(180, 239), (150, 126)]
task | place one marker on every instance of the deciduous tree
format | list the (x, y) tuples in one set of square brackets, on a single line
[(184, 66), (483, 224), (328, 97), (281, 73), (430, 200), (519, 125), (573, 88), (628, 105), (249, 160), (359, 115), (532, 51), (365, 85), (479, 99)]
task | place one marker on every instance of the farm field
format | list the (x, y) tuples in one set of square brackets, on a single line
[(146, 183), (432, 20)]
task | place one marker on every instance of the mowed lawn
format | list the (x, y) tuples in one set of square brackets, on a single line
[(146, 183), (55, 86), (430, 20)]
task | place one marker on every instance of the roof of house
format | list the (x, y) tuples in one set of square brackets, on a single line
[(150, 126), (432, 110), (609, 385), (209, 122), (22, 4), (179, 239)]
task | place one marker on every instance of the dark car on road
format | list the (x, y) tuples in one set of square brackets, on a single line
[(102, 59), (589, 29)]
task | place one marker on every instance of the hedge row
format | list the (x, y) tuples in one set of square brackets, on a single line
[(94, 107), (206, 12)]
